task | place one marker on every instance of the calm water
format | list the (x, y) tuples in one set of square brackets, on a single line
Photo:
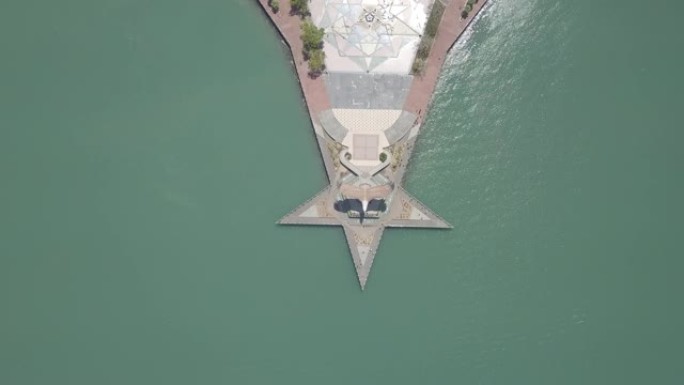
[(141, 176)]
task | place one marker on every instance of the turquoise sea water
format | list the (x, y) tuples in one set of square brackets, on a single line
[(141, 173)]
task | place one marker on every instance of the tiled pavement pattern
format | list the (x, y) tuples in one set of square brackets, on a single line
[(371, 36), (379, 91)]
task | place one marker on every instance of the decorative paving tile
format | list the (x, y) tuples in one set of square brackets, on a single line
[(375, 31)]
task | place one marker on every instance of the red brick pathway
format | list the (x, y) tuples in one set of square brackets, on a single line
[(289, 26), (450, 29)]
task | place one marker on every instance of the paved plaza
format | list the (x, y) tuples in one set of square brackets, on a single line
[(371, 36)]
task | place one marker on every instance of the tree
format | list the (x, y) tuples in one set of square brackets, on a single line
[(316, 62), (275, 5), (383, 156), (464, 14), (300, 7), (312, 37)]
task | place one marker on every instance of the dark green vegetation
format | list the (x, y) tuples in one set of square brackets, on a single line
[(312, 37), (435, 18), (428, 38), (418, 65), (424, 47), (468, 7), (300, 7), (275, 5), (383, 156), (316, 62)]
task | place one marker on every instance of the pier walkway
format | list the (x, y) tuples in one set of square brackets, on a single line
[(366, 111)]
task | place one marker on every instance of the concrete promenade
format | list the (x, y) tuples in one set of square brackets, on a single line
[(366, 110)]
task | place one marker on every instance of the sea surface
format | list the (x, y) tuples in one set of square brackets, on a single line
[(147, 149)]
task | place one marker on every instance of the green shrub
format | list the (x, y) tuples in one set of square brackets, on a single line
[(418, 66), (464, 14), (312, 37), (470, 2), (383, 156), (316, 62), (275, 5), (424, 48), (300, 7), (435, 18), (468, 8)]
